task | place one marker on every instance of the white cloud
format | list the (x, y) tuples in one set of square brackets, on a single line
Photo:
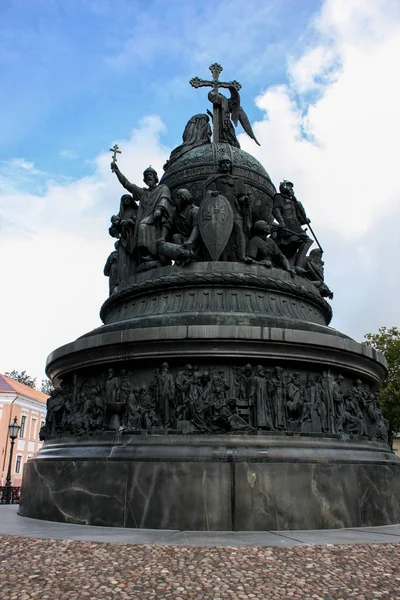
[(54, 248), (70, 154), (340, 149), (314, 69), (23, 164)]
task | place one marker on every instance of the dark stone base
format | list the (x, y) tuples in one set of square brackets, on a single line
[(237, 482)]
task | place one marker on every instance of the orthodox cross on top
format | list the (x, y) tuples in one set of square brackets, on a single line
[(115, 150), (196, 82)]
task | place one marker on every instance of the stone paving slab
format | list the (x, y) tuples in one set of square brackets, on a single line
[(384, 529), (12, 524), (229, 538), (341, 536)]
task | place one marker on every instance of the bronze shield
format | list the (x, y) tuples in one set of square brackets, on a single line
[(215, 224)]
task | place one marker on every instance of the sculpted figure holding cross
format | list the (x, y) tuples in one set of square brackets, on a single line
[(154, 217), (225, 110)]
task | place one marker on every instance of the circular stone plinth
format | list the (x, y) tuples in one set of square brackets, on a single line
[(221, 345), (216, 293), (249, 401), (217, 482)]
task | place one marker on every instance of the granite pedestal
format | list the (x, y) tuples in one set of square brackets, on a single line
[(226, 483)]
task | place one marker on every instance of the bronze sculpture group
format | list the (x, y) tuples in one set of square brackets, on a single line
[(154, 229), (214, 396), (209, 400)]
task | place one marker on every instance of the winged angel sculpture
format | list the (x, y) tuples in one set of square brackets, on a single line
[(227, 112)]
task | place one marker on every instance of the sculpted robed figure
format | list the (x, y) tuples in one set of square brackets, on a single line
[(153, 219)]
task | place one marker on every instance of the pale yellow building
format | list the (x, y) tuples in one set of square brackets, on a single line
[(396, 445), (29, 406)]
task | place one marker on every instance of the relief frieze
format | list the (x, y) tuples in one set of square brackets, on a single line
[(215, 399)]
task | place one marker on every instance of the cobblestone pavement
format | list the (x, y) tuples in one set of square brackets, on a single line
[(37, 569)]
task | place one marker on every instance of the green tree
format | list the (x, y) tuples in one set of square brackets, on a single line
[(387, 340), (46, 386), (22, 377)]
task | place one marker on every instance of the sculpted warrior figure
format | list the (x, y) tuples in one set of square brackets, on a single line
[(290, 215), (185, 246), (264, 250), (234, 190), (186, 227), (314, 271), (154, 216)]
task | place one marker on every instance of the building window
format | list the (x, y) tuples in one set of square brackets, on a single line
[(33, 429), (22, 430), (18, 464)]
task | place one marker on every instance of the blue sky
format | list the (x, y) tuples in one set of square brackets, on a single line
[(79, 73), (320, 86)]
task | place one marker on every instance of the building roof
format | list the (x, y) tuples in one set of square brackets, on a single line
[(8, 385)]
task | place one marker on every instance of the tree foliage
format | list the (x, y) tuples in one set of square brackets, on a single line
[(22, 377), (387, 340), (46, 386)]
